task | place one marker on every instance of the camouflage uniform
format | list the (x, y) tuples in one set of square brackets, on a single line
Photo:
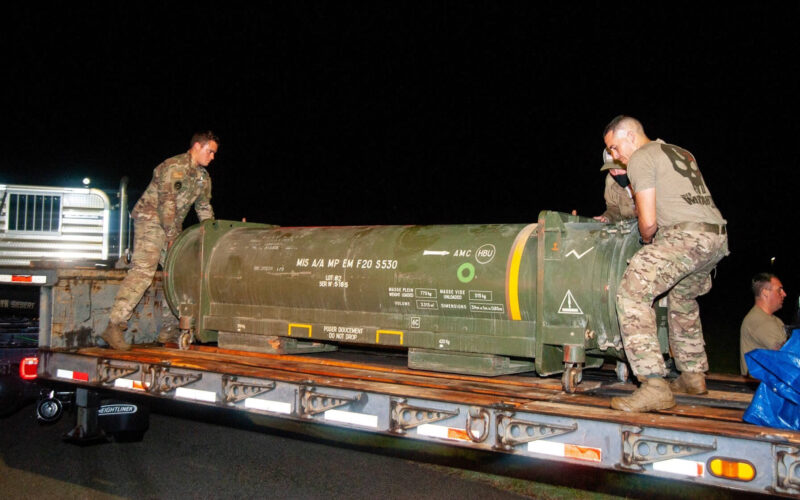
[(690, 241), (158, 219), (678, 261)]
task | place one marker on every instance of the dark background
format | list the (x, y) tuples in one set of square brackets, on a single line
[(393, 113)]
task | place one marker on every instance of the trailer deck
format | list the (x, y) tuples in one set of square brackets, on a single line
[(701, 440)]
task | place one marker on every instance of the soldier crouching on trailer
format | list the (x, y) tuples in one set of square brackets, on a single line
[(177, 183), (672, 199)]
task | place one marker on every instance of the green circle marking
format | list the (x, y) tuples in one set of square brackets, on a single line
[(466, 272)]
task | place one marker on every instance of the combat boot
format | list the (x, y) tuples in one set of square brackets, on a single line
[(168, 334), (653, 394), (114, 337), (689, 383)]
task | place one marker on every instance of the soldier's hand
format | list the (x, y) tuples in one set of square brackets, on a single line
[(600, 218)]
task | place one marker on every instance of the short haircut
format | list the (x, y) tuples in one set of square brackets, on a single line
[(203, 138), (623, 121), (761, 281)]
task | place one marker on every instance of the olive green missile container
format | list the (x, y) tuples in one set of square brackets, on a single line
[(479, 299)]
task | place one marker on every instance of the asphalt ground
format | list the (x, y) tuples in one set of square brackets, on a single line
[(203, 453)]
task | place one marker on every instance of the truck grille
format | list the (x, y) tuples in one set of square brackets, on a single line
[(39, 223)]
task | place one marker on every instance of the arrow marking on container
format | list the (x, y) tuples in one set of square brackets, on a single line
[(569, 305), (435, 252), (578, 256)]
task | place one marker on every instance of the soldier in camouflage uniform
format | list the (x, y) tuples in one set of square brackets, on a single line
[(158, 216), (685, 237)]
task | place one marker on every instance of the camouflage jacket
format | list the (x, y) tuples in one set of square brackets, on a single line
[(176, 185)]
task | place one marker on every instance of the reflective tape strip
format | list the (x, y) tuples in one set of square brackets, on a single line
[(22, 278), (71, 375), (566, 450), (348, 417), (127, 383), (198, 395), (679, 466), (440, 431), (267, 405)]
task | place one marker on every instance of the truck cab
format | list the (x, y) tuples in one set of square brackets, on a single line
[(43, 228)]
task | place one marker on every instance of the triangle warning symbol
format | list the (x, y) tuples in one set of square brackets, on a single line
[(569, 305)]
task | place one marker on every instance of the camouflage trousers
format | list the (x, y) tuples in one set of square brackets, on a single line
[(678, 263), (149, 250)]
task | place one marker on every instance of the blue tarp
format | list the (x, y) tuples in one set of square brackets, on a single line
[(776, 402)]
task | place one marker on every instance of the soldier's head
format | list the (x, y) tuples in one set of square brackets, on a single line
[(611, 165), (768, 291), (623, 136), (615, 169), (203, 147)]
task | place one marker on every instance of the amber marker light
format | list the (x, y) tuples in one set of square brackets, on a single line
[(731, 468)]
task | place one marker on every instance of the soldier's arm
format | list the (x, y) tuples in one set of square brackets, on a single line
[(646, 207), (601, 218), (773, 335), (612, 213), (167, 204), (613, 196), (203, 203)]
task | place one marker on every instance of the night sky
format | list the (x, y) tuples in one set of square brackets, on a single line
[(392, 113)]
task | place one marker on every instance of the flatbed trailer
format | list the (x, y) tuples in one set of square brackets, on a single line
[(702, 440)]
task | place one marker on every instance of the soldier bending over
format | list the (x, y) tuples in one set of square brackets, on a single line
[(158, 216), (685, 237)]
